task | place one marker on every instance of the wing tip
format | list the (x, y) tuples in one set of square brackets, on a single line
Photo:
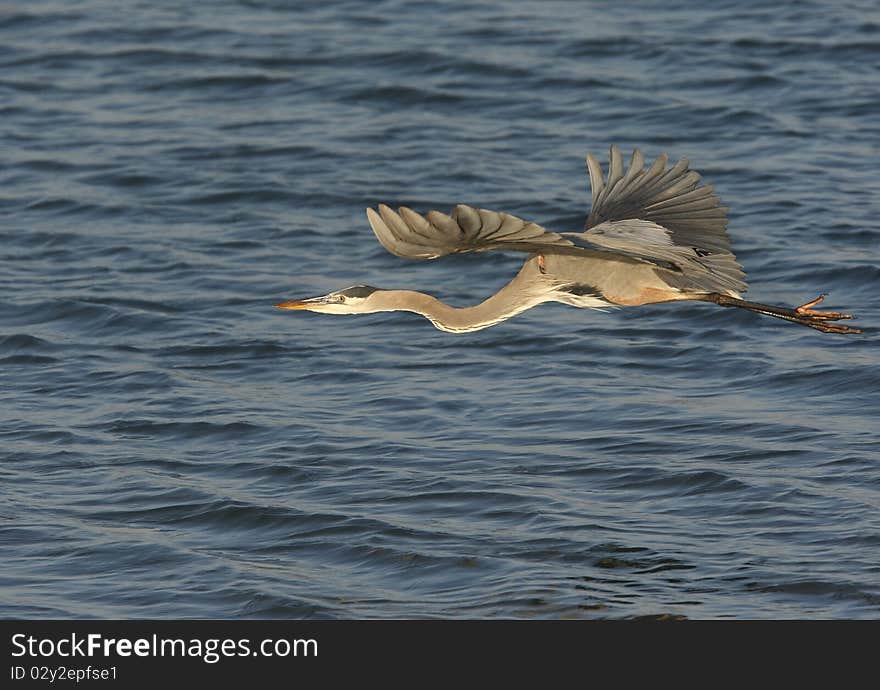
[(377, 223)]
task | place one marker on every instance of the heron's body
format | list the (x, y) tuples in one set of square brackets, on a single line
[(652, 236)]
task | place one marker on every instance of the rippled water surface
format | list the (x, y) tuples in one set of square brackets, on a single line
[(172, 446)]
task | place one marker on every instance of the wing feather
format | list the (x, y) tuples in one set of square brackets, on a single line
[(468, 219), (491, 221), (671, 199), (392, 242), (449, 232), (413, 235), (418, 224), (597, 179)]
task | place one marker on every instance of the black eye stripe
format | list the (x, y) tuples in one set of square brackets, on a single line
[(358, 291)]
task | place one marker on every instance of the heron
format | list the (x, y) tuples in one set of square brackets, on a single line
[(653, 235)]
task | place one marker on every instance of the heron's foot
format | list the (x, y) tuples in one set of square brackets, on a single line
[(808, 311), (808, 316), (825, 327)]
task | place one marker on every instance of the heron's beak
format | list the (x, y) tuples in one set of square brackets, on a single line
[(304, 303)]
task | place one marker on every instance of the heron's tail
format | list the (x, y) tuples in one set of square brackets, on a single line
[(804, 314)]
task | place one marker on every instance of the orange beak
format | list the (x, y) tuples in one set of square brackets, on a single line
[(303, 303), (292, 304)]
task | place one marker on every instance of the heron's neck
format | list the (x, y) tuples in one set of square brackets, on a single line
[(522, 293)]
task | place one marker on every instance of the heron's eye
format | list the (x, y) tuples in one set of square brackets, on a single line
[(340, 298)]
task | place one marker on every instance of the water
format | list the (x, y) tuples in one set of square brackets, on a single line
[(175, 447)]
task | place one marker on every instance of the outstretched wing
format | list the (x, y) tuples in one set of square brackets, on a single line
[(416, 236), (661, 215)]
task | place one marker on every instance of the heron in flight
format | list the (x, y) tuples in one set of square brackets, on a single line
[(652, 235)]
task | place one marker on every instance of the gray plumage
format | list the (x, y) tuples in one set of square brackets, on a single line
[(652, 235), (657, 215), (415, 236)]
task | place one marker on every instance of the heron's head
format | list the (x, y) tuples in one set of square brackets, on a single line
[(351, 300)]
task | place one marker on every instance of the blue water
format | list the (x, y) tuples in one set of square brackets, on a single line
[(172, 446)]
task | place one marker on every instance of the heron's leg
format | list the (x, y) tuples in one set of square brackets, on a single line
[(803, 315)]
